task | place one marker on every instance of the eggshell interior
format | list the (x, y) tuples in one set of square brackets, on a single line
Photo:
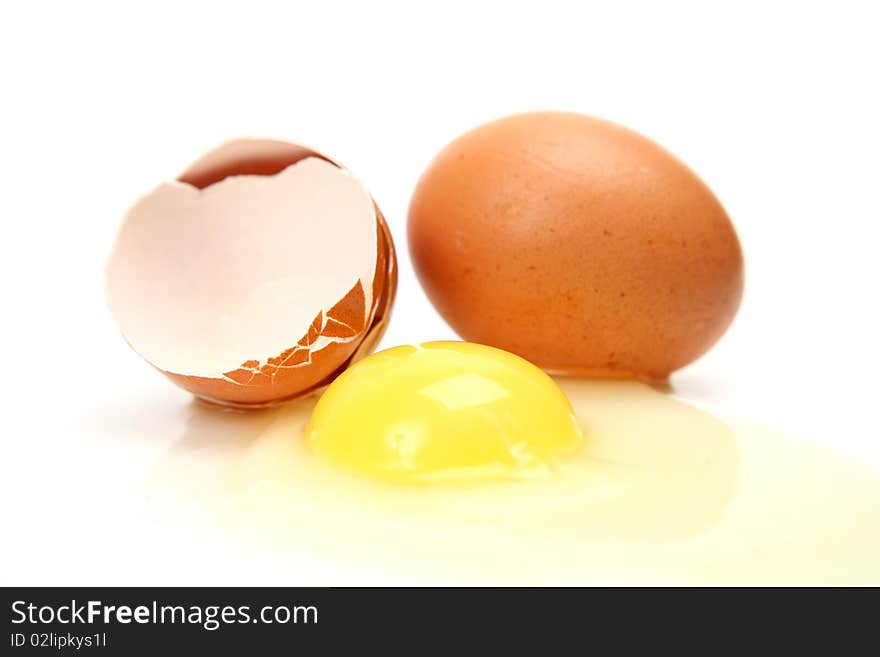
[(220, 281)]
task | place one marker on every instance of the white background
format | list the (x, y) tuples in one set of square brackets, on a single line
[(775, 105)]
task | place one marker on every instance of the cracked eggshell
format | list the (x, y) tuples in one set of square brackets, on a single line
[(256, 277), (577, 244)]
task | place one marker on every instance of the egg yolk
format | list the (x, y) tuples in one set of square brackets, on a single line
[(443, 411)]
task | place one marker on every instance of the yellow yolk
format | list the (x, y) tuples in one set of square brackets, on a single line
[(441, 411)]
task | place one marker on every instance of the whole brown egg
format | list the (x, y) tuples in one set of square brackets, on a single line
[(577, 244)]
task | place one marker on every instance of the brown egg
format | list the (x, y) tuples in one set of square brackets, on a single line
[(577, 244), (255, 277)]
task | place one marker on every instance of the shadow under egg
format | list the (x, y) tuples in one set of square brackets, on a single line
[(202, 464)]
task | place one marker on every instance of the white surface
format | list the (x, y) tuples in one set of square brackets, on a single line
[(774, 105)]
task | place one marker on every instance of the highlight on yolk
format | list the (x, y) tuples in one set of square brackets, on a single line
[(444, 411)]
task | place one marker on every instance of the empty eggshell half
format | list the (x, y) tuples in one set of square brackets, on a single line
[(256, 276)]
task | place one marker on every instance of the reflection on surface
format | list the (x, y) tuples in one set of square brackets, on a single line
[(660, 493), (214, 441), (465, 391)]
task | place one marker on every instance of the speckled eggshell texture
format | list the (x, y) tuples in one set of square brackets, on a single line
[(577, 244)]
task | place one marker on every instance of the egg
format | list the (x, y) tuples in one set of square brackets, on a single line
[(576, 243), (256, 276), (444, 411)]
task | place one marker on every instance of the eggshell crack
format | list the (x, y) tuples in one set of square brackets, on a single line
[(248, 289)]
